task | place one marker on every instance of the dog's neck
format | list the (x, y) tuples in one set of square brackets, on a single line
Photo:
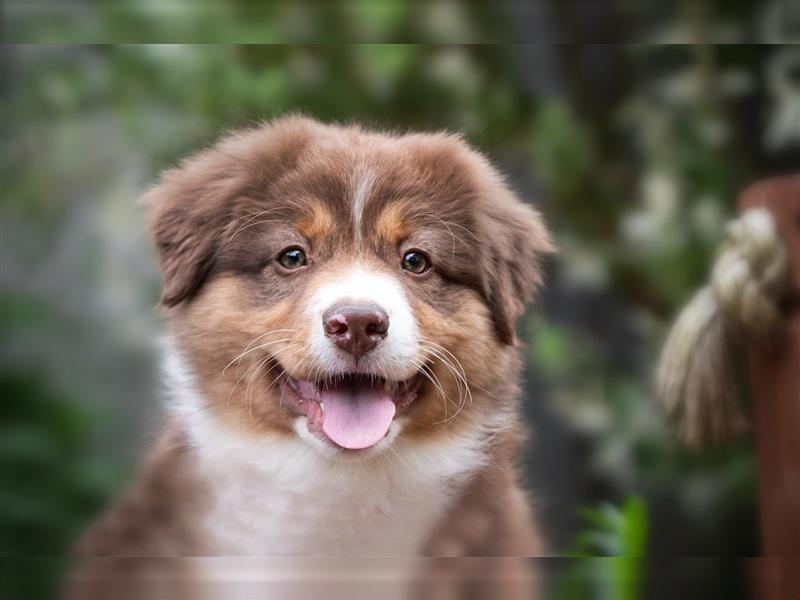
[(276, 494)]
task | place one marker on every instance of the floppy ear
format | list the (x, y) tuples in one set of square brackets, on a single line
[(187, 213), (515, 236), (191, 208)]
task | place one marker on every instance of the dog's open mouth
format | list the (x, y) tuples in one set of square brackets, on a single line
[(352, 411)]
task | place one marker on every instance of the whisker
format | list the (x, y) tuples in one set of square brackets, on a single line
[(249, 225), (449, 230), (474, 237), (272, 368), (443, 359), (459, 376), (247, 399), (448, 224), (253, 215), (454, 224), (463, 373), (238, 381), (250, 217), (438, 383), (431, 376), (253, 341), (259, 347), (261, 365)]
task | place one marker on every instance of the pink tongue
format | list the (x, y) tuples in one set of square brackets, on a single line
[(357, 416)]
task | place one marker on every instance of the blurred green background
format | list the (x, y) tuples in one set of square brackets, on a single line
[(635, 154)]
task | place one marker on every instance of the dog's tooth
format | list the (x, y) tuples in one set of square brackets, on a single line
[(322, 406), (387, 387)]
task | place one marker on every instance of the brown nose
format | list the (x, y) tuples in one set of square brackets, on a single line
[(355, 328)]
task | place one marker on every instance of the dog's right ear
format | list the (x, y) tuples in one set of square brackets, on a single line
[(187, 213), (192, 206)]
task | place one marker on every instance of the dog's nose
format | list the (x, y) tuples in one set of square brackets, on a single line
[(355, 328)]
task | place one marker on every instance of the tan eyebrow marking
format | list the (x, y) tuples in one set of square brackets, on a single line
[(317, 223), (391, 225)]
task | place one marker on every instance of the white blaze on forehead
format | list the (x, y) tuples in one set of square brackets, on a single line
[(395, 355), (362, 183)]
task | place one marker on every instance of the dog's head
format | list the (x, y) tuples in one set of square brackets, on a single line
[(344, 285)]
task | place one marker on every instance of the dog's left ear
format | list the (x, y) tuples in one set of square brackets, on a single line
[(515, 237)]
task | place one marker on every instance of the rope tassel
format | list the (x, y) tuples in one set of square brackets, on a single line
[(741, 303)]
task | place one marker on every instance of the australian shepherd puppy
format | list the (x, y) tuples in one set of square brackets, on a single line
[(342, 363)]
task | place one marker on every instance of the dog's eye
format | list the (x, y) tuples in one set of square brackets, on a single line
[(293, 258), (416, 262)]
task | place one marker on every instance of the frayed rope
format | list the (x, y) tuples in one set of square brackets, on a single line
[(693, 378)]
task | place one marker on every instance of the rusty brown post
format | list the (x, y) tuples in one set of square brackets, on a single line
[(775, 404)]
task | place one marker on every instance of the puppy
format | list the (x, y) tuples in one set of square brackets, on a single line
[(343, 366)]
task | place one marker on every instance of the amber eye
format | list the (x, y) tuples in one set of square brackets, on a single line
[(415, 262), (293, 258)]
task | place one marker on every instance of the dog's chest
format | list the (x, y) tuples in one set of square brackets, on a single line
[(261, 518), (301, 504)]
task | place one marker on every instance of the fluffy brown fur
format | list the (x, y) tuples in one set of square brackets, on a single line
[(220, 219)]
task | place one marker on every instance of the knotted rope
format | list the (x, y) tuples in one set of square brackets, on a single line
[(741, 303)]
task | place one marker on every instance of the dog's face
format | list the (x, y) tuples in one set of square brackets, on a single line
[(345, 286)]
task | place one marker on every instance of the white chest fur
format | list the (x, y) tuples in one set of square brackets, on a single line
[(294, 501), (279, 495)]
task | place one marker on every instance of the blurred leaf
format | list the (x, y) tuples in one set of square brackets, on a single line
[(612, 532), (562, 149)]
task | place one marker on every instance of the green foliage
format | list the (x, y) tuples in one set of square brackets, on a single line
[(613, 531), (617, 533), (562, 151), (50, 483)]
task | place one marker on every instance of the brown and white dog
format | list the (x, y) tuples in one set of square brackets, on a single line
[(343, 363)]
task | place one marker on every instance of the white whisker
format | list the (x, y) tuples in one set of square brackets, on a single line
[(259, 347), (250, 217)]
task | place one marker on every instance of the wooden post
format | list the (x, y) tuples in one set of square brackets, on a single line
[(775, 402)]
